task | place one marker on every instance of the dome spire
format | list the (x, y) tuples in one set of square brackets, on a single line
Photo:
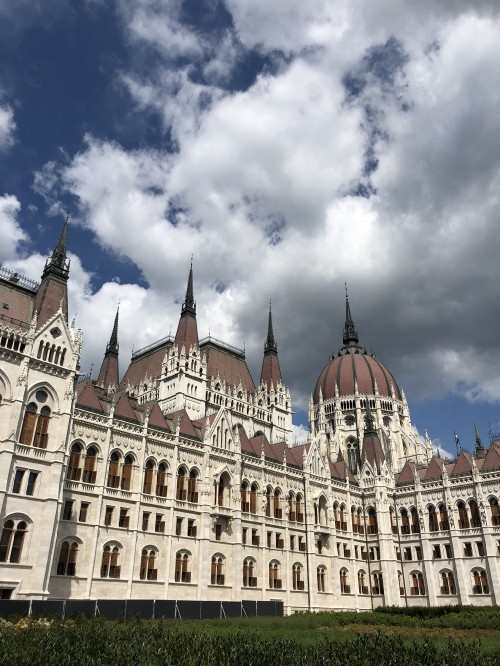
[(350, 333), (112, 345)]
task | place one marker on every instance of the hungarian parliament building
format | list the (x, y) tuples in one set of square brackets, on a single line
[(180, 479)]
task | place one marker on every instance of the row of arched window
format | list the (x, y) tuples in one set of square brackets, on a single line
[(438, 517)]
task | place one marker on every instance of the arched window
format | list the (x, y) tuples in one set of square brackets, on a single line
[(372, 521), (114, 470), (249, 578), (148, 570), (447, 583), (377, 583), (182, 573), (433, 521), (127, 473), (109, 562), (480, 582), (253, 498), (463, 516), (353, 454), (475, 518), (362, 586), (417, 584), (89, 471), (269, 493), (495, 512), (148, 478), (345, 588), (66, 565), (223, 485), (405, 522), (415, 523), (217, 570), (277, 510), (35, 428), (299, 514), (192, 495), (275, 582), (245, 500), (321, 578), (74, 470), (291, 507), (444, 523), (181, 491), (11, 541), (161, 480), (297, 582)]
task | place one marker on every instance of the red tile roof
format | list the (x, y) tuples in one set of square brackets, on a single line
[(86, 397), (229, 367), (146, 365), (492, 459), (407, 474), (186, 425), (434, 469), (271, 372), (124, 409), (187, 332), (463, 464), (156, 418), (372, 451)]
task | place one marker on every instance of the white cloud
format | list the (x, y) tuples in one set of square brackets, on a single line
[(300, 434), (7, 127), (11, 233), (260, 189)]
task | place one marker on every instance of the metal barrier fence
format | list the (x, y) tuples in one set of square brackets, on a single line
[(150, 609)]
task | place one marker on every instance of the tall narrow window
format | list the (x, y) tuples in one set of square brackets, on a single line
[(249, 578), (475, 518), (372, 521), (345, 588), (74, 471), (378, 584), (89, 473), (495, 511), (245, 503), (30, 486), (433, 521), (320, 576), (29, 423), (109, 563), (463, 517), (161, 480), (192, 486), (217, 571), (18, 479), (84, 507), (41, 438), (127, 473), (181, 492), (182, 573), (253, 498), (297, 582), (114, 471), (444, 523), (148, 478)]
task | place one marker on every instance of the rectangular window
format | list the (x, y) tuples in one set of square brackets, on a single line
[(269, 539), (244, 535), (108, 516), (407, 554), (467, 549), (418, 552), (320, 547), (68, 510), (18, 479), (84, 507), (30, 488), (447, 548), (480, 548), (436, 552), (123, 520), (356, 553), (302, 545), (159, 523), (191, 532), (218, 532), (280, 543), (256, 538), (292, 542), (145, 520), (178, 526)]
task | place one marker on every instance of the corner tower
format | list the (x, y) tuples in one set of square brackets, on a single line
[(108, 374), (53, 290)]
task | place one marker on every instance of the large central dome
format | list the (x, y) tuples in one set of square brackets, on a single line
[(354, 365)]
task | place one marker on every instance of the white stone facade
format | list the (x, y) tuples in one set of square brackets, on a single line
[(185, 485)]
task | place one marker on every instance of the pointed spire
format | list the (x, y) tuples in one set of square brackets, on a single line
[(270, 374), (350, 333), (189, 304), (479, 443), (270, 345), (52, 293), (109, 373), (187, 330), (112, 345)]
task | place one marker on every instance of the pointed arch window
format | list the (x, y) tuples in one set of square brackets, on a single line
[(415, 523), (249, 578), (463, 516), (362, 586), (321, 578), (378, 583), (405, 522), (433, 521), (66, 565), (299, 514), (372, 521), (245, 499), (345, 588), (417, 585), (114, 470), (127, 473), (475, 517), (447, 583), (495, 511), (253, 498), (11, 541), (297, 582), (182, 573), (480, 582), (275, 582), (444, 523), (278, 513), (181, 491)]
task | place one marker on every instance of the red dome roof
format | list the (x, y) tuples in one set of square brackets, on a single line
[(355, 364)]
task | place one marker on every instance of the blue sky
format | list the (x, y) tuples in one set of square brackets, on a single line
[(288, 147)]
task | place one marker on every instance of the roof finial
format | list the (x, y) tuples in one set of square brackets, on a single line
[(270, 345), (350, 333), (370, 424)]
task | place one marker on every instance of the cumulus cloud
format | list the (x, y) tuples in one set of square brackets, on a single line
[(7, 127), (370, 154), (11, 233)]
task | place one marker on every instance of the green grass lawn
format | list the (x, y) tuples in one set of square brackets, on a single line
[(387, 637)]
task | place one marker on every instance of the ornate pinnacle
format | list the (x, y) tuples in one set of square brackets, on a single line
[(189, 304), (270, 345)]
